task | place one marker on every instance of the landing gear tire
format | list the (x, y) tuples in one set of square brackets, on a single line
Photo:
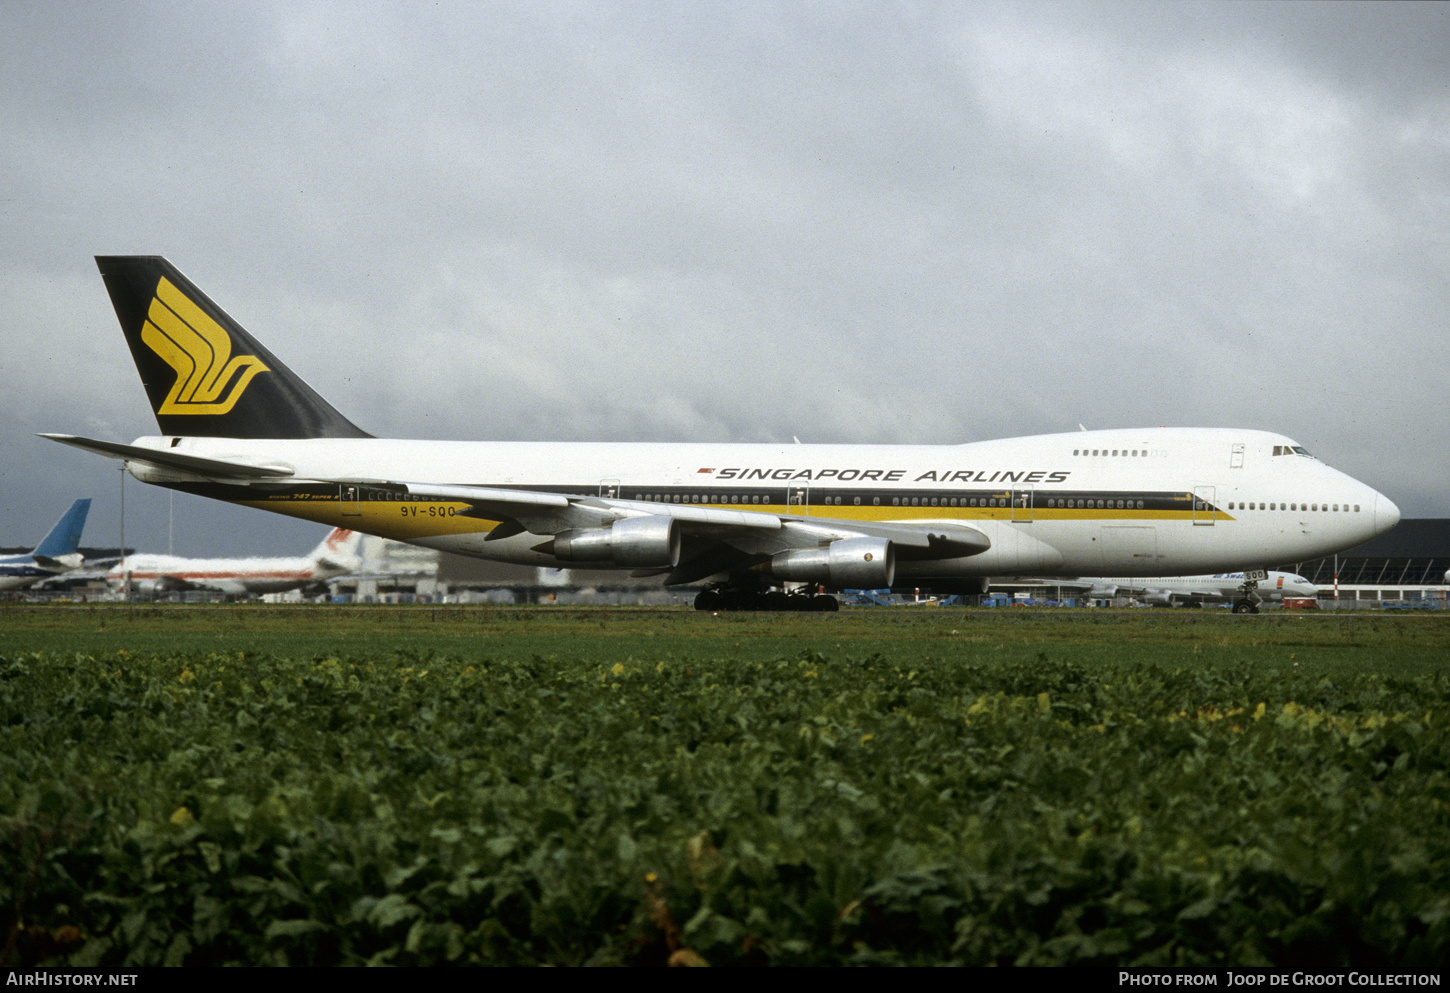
[(1246, 607), (775, 600), (709, 600), (825, 604)]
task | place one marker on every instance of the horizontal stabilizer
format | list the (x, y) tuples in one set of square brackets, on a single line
[(214, 468), (59, 563)]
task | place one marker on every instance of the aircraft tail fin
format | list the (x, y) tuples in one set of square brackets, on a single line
[(340, 549), (65, 537), (204, 374)]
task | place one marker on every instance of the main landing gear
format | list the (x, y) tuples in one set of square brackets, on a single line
[(1247, 599), (756, 599)]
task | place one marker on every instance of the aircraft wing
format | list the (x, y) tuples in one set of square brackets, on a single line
[(172, 583), (1087, 587), (1155, 593), (714, 538), (1169, 593), (1174, 594), (549, 513), (1161, 592), (175, 584)]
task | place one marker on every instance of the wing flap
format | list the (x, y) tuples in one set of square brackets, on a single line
[(699, 520), (937, 540)]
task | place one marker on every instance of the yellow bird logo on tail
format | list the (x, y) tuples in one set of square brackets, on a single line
[(209, 379)]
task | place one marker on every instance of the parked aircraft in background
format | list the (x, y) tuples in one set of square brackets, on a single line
[(335, 556), (238, 425), (1176, 591), (57, 552)]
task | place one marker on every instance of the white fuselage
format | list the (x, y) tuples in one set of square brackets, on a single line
[(1131, 502), (234, 576), (20, 571), (1219, 586)]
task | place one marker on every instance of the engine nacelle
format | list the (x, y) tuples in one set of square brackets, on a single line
[(650, 542), (850, 563)]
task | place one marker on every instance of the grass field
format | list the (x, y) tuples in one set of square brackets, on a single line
[(416, 785), (1349, 642)]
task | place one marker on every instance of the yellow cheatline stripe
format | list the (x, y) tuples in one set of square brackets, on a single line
[(381, 518), (407, 520)]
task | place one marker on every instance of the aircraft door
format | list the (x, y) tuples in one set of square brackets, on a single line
[(1203, 505), (349, 498), (609, 488), (1022, 505), (798, 500), (1236, 456)]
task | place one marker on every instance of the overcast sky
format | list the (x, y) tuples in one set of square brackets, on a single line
[(916, 223)]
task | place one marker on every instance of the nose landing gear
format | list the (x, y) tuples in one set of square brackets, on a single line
[(1247, 599)]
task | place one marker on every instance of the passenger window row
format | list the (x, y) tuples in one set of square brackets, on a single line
[(1098, 504), (1070, 504), (1131, 453), (713, 498), (1274, 505)]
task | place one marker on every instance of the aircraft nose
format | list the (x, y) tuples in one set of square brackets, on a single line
[(1386, 514)]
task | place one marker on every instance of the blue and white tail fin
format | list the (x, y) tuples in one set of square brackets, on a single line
[(65, 537)]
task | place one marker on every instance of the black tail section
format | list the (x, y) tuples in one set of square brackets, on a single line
[(205, 375)]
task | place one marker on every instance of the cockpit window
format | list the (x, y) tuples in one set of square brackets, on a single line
[(1292, 450)]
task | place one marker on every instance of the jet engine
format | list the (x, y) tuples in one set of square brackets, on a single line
[(850, 563), (651, 542)]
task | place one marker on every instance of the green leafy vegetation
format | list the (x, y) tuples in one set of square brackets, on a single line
[(1101, 789)]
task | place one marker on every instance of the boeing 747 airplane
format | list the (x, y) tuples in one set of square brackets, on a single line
[(56, 554), (238, 425), (335, 556)]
